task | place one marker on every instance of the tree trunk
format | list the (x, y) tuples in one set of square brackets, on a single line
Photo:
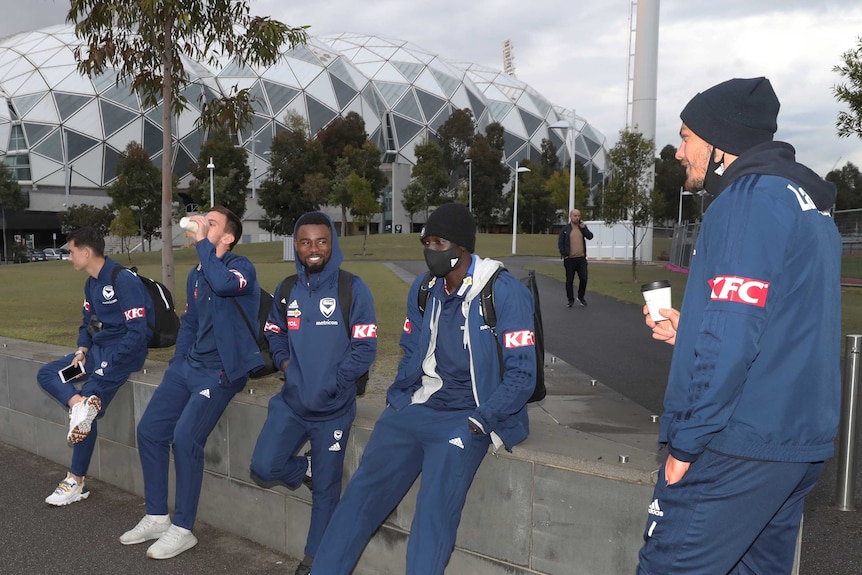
[(343, 220), (167, 180), (634, 254)]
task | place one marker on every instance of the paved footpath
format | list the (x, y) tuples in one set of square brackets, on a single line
[(38, 539)]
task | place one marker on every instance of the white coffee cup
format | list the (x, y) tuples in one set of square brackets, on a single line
[(188, 225), (657, 296)]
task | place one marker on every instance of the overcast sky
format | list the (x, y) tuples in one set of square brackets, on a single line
[(576, 52)]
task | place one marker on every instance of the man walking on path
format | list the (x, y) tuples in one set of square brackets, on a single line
[(753, 396), (572, 244), (112, 344)]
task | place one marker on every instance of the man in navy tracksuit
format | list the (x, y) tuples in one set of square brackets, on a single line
[(215, 352), (321, 359), (449, 402), (752, 402), (112, 344)]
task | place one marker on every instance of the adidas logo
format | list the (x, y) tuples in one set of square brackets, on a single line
[(206, 393), (335, 447), (100, 371), (654, 509), (456, 441), (293, 305)]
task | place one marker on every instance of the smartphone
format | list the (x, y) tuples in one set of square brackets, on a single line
[(70, 372)]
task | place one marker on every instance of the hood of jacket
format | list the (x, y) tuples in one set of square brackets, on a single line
[(330, 270), (779, 159)]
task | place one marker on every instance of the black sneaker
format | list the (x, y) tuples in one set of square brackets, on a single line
[(571, 303), (582, 301), (302, 569)]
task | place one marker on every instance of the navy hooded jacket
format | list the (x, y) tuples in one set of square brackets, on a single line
[(755, 369), (307, 330), (223, 281)]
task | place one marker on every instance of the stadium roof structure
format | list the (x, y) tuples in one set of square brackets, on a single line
[(51, 117)]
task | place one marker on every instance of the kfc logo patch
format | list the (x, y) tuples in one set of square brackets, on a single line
[(134, 313), (368, 331), (242, 281), (524, 338), (86, 305), (739, 290), (271, 327), (408, 327)]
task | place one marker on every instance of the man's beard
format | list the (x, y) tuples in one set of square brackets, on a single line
[(316, 268)]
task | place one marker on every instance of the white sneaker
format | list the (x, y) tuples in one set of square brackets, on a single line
[(67, 492), (172, 542), (82, 415), (150, 527)]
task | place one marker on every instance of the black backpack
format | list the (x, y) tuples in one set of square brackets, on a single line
[(262, 343), (489, 312), (166, 324), (345, 294)]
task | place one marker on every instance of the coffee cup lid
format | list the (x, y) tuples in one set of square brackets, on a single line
[(655, 285)]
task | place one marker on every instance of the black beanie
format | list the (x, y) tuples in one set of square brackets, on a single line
[(735, 115), (452, 222)]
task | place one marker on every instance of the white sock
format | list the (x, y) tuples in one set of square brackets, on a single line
[(160, 518)]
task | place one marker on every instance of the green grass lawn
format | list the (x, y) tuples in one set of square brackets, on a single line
[(42, 301)]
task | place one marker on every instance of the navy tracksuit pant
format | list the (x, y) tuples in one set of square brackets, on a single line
[(727, 516), (275, 459), (101, 379), (576, 266), (404, 443), (184, 409)]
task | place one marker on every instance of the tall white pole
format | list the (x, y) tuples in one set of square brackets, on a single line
[(211, 167), (679, 219), (515, 214), (572, 168)]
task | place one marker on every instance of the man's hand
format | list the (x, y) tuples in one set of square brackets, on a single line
[(664, 330), (203, 227), (674, 469)]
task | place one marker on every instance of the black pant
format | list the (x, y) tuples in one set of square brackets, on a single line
[(578, 265)]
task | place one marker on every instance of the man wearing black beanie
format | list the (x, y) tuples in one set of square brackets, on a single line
[(460, 387), (753, 395)]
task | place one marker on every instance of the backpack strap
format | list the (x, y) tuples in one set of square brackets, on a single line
[(422, 295), (345, 294), (489, 312), (245, 319)]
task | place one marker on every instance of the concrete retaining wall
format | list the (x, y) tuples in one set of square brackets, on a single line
[(561, 504)]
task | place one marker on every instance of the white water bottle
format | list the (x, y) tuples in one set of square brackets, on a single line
[(188, 225)]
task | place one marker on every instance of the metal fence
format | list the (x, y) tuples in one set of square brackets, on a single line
[(682, 244)]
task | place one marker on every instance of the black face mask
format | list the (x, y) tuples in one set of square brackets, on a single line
[(714, 171), (441, 263)]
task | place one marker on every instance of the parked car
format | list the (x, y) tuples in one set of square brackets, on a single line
[(53, 253), (35, 255)]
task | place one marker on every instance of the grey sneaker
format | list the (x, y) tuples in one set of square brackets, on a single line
[(150, 527), (67, 492), (81, 418), (173, 541)]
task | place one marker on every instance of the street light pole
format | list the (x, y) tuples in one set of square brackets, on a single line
[(211, 167), (469, 163), (570, 126), (682, 193), (518, 169), (253, 170)]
